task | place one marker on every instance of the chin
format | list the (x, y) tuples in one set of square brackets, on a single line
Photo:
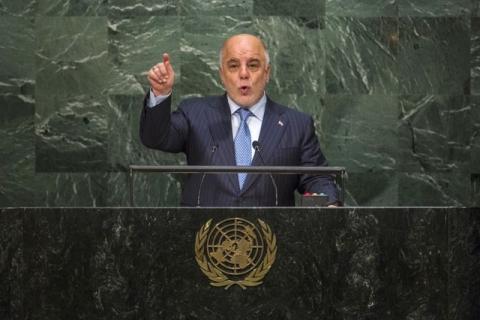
[(243, 102)]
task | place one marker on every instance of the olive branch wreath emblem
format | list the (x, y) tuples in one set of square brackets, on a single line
[(218, 278)]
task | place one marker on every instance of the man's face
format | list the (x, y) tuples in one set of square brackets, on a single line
[(244, 70)]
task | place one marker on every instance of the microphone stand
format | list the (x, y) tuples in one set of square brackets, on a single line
[(214, 148), (256, 146)]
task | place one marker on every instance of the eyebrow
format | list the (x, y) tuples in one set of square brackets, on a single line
[(238, 60)]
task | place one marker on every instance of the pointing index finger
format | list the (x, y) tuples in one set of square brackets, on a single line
[(166, 58), (166, 63)]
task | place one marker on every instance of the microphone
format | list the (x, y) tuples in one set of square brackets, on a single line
[(214, 148), (256, 146)]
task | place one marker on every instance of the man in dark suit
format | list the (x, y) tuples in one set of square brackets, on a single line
[(220, 130)]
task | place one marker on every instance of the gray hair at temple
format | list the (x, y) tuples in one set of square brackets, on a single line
[(220, 55)]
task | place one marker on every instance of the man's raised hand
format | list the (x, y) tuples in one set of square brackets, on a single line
[(162, 77)]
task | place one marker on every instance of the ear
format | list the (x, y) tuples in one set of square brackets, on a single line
[(221, 76), (267, 71)]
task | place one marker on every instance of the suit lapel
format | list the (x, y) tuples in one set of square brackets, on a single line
[(273, 128), (220, 127)]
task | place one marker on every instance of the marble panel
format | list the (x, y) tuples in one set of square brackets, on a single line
[(464, 258), (18, 7), (437, 8), (331, 264), (362, 8), (151, 190), (11, 265), (475, 187), (434, 55), (17, 64), (103, 190), (71, 134), (475, 56), (71, 39), (361, 55), (475, 134), (53, 258), (127, 8), (135, 45), (17, 103), (435, 133), (298, 8), (71, 57), (475, 9), (17, 150), (215, 8), (72, 76), (69, 79), (413, 263), (434, 189), (372, 189), (72, 7), (72, 190), (359, 132)]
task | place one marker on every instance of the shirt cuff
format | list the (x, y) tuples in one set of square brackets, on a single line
[(153, 101)]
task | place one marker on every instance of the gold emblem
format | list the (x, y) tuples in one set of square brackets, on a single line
[(235, 251)]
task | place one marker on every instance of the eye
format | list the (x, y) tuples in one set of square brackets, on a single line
[(232, 66), (253, 65)]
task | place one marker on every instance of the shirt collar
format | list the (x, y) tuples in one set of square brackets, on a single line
[(258, 109)]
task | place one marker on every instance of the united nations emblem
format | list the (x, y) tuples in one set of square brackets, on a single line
[(235, 251)]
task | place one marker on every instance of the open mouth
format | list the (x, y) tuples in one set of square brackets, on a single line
[(244, 90)]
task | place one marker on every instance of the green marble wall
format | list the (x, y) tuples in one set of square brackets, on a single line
[(394, 87)]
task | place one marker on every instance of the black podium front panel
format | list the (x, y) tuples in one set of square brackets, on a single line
[(282, 263)]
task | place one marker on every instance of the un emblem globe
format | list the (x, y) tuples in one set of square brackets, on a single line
[(235, 246)]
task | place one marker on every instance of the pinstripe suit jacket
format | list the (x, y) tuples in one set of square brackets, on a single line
[(287, 138)]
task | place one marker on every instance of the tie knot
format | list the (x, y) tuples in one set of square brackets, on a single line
[(244, 113)]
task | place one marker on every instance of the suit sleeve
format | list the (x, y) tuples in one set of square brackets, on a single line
[(311, 155), (160, 129)]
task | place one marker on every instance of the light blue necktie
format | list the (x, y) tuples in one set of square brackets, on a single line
[(243, 144)]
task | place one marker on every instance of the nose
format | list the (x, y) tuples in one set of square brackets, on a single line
[(244, 73)]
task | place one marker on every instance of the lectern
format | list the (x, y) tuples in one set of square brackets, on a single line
[(239, 263)]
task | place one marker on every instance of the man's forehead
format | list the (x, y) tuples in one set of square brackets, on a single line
[(236, 53), (243, 45), (249, 58)]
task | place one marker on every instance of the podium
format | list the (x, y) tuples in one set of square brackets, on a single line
[(141, 263)]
